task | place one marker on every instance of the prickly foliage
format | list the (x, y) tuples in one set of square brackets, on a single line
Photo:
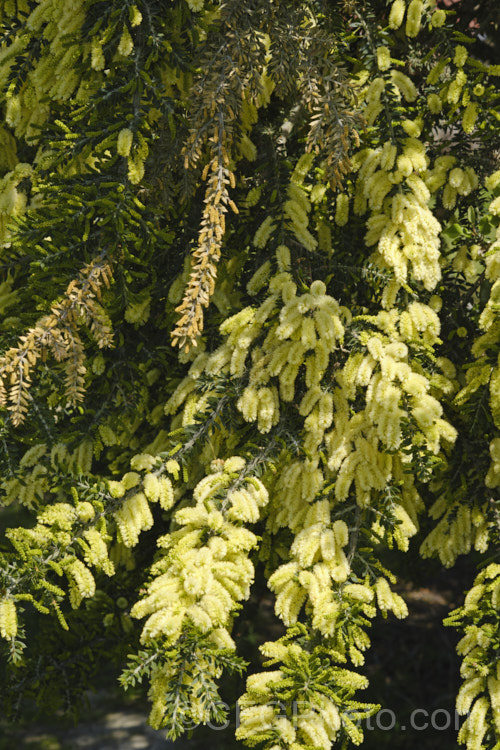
[(249, 334)]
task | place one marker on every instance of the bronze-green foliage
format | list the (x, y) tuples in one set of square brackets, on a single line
[(249, 335)]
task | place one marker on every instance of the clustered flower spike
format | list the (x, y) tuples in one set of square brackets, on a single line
[(205, 571)]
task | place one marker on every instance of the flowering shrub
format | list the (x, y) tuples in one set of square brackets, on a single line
[(250, 331)]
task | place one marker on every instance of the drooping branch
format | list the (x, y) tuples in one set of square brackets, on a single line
[(58, 334)]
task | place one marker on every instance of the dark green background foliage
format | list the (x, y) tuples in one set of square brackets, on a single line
[(188, 191)]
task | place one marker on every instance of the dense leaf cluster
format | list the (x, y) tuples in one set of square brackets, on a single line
[(249, 339)]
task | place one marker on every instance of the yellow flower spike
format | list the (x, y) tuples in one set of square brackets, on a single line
[(133, 517), (434, 103), (283, 258), (449, 197), (469, 117), (414, 17), (8, 619), (97, 57), (341, 532), (151, 485), (252, 197), (126, 44), (135, 16), (412, 127), (82, 581), (461, 55), (243, 507), (388, 155), (396, 14), (342, 209), (124, 142), (438, 18), (383, 58), (264, 232), (267, 416), (455, 87), (404, 84), (302, 168), (259, 278), (405, 165), (358, 592), (299, 197)]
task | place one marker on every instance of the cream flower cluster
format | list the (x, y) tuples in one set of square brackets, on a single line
[(33, 484), (12, 199), (459, 529), (396, 181), (319, 729), (356, 445), (60, 525), (317, 559), (297, 209), (320, 717), (53, 76), (388, 600), (298, 484), (199, 668), (479, 696), (454, 90), (401, 224), (81, 581), (316, 576), (460, 181), (56, 76), (393, 391), (134, 514), (133, 517), (308, 331), (301, 481), (8, 618), (206, 571), (413, 12), (294, 356)]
